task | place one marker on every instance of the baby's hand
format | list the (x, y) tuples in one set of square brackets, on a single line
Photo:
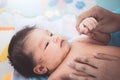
[(87, 25)]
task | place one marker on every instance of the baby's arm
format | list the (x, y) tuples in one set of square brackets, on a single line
[(87, 26)]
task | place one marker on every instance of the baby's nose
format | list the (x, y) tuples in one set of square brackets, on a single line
[(56, 39)]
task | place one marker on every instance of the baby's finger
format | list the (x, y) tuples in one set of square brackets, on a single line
[(89, 26), (75, 77), (91, 23), (80, 19), (94, 20), (83, 29)]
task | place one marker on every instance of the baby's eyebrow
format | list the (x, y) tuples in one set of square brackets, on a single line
[(48, 32)]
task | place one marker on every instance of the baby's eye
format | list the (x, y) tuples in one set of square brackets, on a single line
[(46, 45), (51, 34)]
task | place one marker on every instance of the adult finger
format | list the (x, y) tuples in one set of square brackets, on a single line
[(75, 77), (106, 56), (91, 71), (87, 60)]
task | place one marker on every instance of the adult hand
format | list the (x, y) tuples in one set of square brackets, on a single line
[(104, 67), (108, 22)]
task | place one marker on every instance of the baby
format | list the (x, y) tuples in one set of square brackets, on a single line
[(35, 52)]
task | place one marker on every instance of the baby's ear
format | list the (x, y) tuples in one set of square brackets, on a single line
[(39, 69)]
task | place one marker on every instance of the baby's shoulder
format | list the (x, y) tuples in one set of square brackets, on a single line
[(77, 42)]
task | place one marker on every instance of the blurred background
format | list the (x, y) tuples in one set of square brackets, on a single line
[(109, 4)]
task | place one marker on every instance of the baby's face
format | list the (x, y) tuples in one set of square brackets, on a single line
[(50, 48)]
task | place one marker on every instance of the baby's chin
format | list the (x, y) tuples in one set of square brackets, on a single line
[(67, 51), (67, 47)]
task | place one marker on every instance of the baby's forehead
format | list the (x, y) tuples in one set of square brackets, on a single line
[(42, 29), (38, 32)]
